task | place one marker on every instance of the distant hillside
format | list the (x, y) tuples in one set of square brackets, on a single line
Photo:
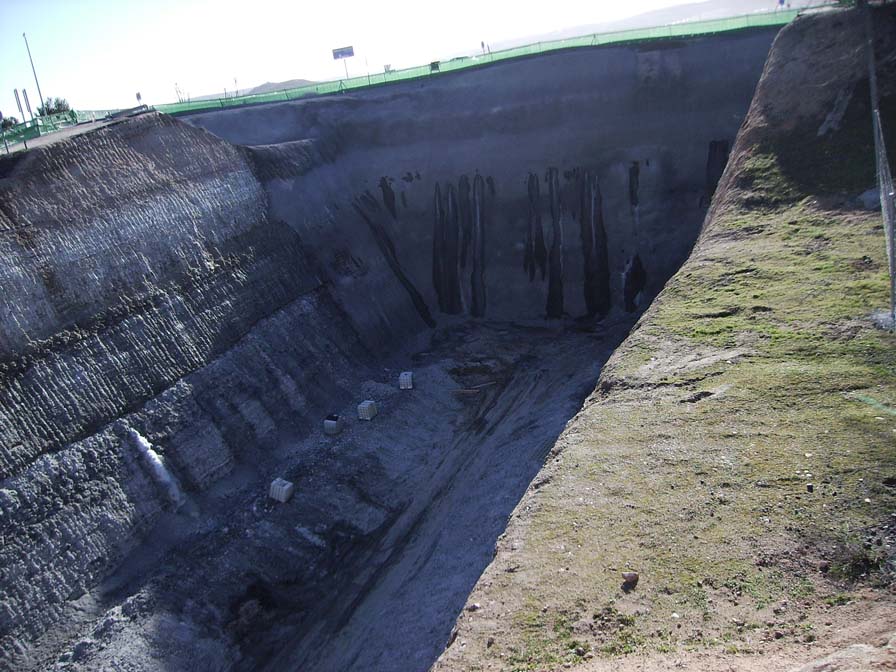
[(697, 11), (267, 87)]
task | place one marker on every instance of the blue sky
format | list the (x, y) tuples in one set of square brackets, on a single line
[(99, 53)]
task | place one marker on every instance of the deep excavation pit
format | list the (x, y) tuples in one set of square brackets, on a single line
[(226, 280)]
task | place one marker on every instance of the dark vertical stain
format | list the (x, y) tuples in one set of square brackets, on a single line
[(535, 236), (438, 246), (571, 193), (634, 173), (404, 200), (445, 250), (716, 160), (491, 186), (555, 261), (465, 214), (594, 245), (388, 196), (477, 275), (451, 230), (369, 210), (529, 253), (634, 279)]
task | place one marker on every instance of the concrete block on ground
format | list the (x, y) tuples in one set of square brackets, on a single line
[(281, 490), (406, 380), (367, 410), (332, 424)]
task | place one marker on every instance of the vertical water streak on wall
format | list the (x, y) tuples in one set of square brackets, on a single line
[(583, 213), (438, 241), (536, 252), (465, 214), (388, 197), (634, 276), (555, 267), (453, 305), (157, 468), (477, 275), (594, 245), (541, 250), (634, 279), (634, 185), (529, 250), (716, 160), (601, 251)]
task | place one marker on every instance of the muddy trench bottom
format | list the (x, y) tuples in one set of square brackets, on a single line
[(392, 522)]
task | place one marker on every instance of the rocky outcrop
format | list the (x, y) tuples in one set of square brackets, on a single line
[(144, 281)]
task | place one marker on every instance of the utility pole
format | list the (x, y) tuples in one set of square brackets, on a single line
[(43, 102)]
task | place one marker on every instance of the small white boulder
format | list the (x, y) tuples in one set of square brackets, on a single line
[(367, 410), (332, 424), (281, 490)]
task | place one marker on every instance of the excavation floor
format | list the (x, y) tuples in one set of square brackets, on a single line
[(392, 523), (489, 403)]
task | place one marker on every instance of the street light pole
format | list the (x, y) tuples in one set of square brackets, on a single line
[(42, 101)]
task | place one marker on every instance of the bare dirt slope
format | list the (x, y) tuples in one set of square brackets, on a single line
[(739, 450)]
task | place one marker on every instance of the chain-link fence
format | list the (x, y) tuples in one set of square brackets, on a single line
[(49, 123), (690, 29)]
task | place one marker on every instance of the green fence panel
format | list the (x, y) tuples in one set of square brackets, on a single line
[(51, 123), (20, 132)]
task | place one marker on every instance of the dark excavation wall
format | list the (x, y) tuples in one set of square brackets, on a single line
[(214, 298), (593, 166), (143, 280)]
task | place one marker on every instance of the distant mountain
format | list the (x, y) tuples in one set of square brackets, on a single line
[(695, 11), (267, 87)]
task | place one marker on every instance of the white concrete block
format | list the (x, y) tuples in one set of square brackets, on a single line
[(367, 410), (281, 489), (332, 424), (406, 380)]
